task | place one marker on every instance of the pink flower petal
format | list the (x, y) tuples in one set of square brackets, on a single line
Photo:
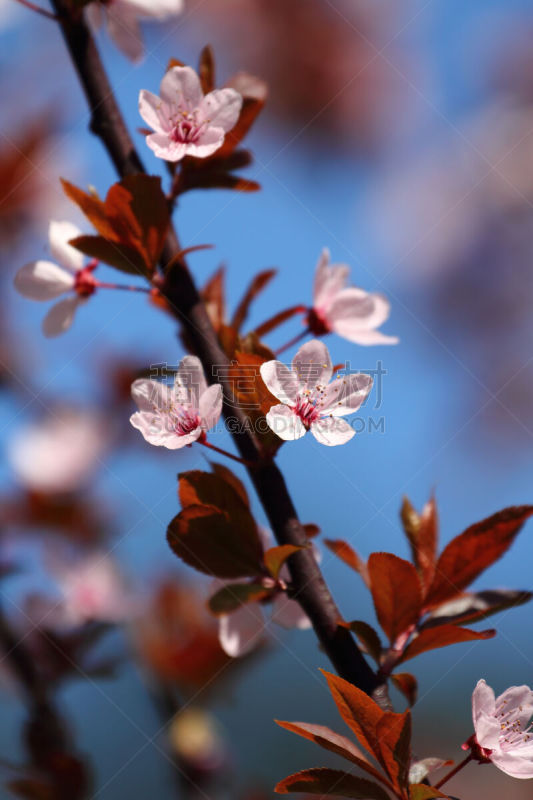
[(221, 108), (280, 381), (332, 431), (181, 88), (59, 234), (288, 613), (165, 148), (241, 631), (312, 365), (151, 396), (123, 28), (210, 406), (208, 143), (61, 315), (43, 280), (329, 280), (284, 422), (151, 111), (190, 382), (346, 393), (483, 700)]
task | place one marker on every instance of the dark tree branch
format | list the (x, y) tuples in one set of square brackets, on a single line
[(311, 590)]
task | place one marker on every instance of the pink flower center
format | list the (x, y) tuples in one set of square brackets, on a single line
[(317, 322), (85, 283), (514, 731), (187, 130), (185, 420), (307, 410)]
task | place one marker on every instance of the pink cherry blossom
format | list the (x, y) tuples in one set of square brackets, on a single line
[(178, 415), (46, 280), (60, 453), (504, 732), (123, 17), (187, 123), (243, 629), (350, 312), (308, 400), (92, 589)]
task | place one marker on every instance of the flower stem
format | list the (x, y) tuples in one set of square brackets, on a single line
[(292, 341), (225, 453), (42, 11), (103, 285), (454, 771)]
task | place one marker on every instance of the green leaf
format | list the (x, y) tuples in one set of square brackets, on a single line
[(231, 597), (277, 556)]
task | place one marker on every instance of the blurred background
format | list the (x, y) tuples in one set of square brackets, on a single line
[(401, 137)]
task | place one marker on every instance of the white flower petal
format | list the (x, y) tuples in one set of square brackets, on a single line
[(362, 336), (208, 143), (123, 28), (190, 382), (157, 9), (151, 396), (221, 108), (329, 280), (242, 630), (165, 148), (210, 406), (312, 365), (483, 700), (513, 765), (150, 110), (155, 429), (181, 88), (285, 423), (346, 393), (288, 613), (332, 431), (280, 381), (61, 315), (43, 280), (59, 235)]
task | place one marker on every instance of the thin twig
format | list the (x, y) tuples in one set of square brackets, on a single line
[(312, 592)]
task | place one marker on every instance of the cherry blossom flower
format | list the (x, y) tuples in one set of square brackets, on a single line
[(351, 313), (46, 280), (243, 629), (187, 123), (92, 589), (308, 400), (123, 16), (60, 453), (179, 415), (504, 731)]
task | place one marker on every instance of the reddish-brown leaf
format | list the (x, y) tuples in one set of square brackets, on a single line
[(259, 282), (422, 533), (206, 69), (475, 606), (333, 742), (358, 711), (251, 108), (470, 553), (214, 543), (120, 256), (134, 215), (407, 684), (208, 488), (346, 553), (433, 638), (227, 475), (331, 782), (253, 396), (214, 296), (278, 319), (394, 736), (396, 591), (368, 637), (311, 530), (275, 557)]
